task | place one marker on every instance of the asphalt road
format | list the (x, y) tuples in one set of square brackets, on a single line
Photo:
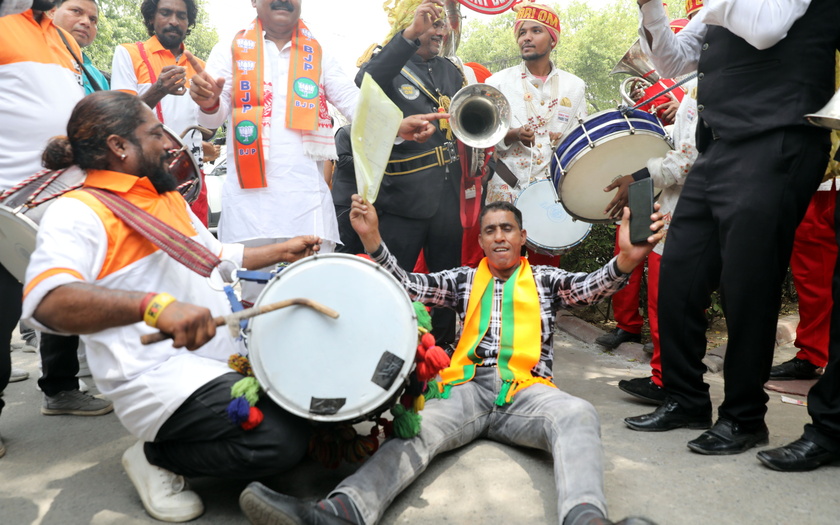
[(65, 470)]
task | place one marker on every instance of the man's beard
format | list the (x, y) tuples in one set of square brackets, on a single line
[(158, 174), (170, 39), (533, 56)]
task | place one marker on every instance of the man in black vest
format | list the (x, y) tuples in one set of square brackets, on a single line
[(759, 72), (418, 201)]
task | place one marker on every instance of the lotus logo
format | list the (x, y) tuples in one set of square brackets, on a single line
[(246, 132), (306, 88), (245, 65)]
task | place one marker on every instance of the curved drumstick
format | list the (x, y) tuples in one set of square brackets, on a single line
[(232, 320)]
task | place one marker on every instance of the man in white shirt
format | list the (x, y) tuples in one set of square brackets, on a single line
[(290, 196), (758, 166)]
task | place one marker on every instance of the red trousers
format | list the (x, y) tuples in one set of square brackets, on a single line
[(812, 265), (625, 303)]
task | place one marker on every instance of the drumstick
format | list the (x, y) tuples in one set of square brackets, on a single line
[(232, 320)]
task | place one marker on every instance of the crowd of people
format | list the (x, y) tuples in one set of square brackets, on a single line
[(124, 255)]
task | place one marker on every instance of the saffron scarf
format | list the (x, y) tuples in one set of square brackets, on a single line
[(520, 344), (306, 104)]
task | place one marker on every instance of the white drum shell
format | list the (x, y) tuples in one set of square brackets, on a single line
[(330, 370), (19, 219), (551, 231)]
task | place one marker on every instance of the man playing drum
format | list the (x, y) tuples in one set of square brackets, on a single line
[(499, 385), (95, 275), (544, 100)]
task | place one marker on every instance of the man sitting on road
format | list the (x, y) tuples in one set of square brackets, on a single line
[(499, 385)]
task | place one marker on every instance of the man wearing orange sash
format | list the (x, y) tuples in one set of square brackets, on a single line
[(272, 84), (499, 384)]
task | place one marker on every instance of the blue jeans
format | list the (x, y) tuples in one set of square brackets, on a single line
[(539, 417)]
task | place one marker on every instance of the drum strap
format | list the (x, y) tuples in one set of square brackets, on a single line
[(505, 174), (177, 245), (152, 76)]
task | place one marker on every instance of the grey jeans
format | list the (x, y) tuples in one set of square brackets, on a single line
[(539, 417)]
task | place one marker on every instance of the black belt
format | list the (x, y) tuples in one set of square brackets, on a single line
[(440, 156)]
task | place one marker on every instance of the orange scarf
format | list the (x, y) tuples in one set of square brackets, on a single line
[(520, 345), (304, 97)]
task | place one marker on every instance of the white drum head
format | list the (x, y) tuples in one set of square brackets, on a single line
[(551, 230), (17, 240), (582, 187), (326, 369)]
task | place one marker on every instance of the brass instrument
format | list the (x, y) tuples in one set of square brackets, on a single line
[(829, 115), (480, 115), (643, 74)]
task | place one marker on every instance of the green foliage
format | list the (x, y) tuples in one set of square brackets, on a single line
[(591, 43), (120, 22)]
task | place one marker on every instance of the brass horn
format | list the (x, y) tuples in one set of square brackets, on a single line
[(637, 64), (480, 115), (829, 115)]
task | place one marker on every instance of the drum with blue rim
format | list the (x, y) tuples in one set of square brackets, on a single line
[(604, 147)]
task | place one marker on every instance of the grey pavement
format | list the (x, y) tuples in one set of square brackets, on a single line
[(66, 470)]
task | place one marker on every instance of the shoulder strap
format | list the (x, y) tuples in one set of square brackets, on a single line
[(152, 76), (82, 68), (186, 251)]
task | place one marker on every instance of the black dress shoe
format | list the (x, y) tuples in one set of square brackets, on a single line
[(643, 388), (794, 369), (727, 438), (617, 336), (263, 506), (668, 416), (798, 456)]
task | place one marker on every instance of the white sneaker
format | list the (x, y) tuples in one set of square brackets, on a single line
[(162, 492), (18, 374)]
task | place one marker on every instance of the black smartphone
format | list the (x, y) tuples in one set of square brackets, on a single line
[(640, 200)]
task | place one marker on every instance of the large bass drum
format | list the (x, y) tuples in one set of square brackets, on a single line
[(22, 206), (332, 370), (604, 147)]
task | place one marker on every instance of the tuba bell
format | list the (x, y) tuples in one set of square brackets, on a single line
[(480, 115), (829, 115), (637, 64)]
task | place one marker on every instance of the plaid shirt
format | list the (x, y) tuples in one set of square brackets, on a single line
[(556, 289)]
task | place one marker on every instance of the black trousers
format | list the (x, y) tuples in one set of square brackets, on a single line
[(11, 292), (199, 439), (733, 229), (824, 397), (438, 236)]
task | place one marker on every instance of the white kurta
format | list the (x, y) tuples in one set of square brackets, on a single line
[(297, 200), (547, 106), (669, 172)]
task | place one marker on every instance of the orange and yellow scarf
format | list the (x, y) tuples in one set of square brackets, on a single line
[(305, 98), (521, 334)]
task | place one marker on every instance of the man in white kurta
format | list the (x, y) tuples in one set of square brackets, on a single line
[(297, 199), (545, 103)]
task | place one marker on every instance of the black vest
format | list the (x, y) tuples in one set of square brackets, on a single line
[(743, 91)]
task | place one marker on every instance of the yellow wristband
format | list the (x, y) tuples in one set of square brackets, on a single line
[(156, 306)]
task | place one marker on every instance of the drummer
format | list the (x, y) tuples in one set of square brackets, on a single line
[(545, 102), (509, 397), (94, 275)]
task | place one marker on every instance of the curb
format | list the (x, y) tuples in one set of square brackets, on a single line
[(587, 333)]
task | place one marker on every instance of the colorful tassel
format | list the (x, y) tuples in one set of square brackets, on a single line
[(406, 422), (238, 410), (255, 417), (248, 387)]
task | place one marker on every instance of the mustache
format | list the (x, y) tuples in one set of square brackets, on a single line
[(279, 5)]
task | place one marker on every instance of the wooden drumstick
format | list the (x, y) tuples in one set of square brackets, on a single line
[(232, 320)]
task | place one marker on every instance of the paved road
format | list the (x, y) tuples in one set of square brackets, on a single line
[(65, 470)]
